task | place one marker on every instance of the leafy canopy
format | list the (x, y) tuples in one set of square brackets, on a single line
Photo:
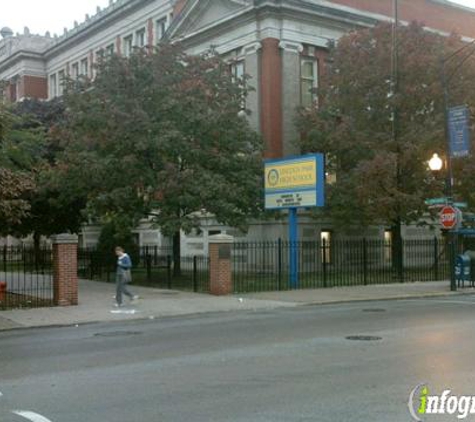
[(158, 135), (382, 178)]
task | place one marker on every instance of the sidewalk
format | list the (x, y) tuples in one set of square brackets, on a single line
[(96, 302)]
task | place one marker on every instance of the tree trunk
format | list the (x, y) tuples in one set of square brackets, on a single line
[(176, 255), (398, 250)]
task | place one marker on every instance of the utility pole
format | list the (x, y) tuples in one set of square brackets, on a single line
[(397, 228)]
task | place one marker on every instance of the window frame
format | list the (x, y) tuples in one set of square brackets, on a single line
[(84, 67), (314, 80), (161, 26), (128, 45), (53, 85), (75, 70), (109, 50), (61, 78), (140, 34)]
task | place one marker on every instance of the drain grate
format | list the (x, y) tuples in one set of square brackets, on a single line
[(169, 293), (374, 310), (363, 338), (117, 334)]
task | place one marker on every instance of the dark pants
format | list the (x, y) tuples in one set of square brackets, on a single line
[(121, 287)]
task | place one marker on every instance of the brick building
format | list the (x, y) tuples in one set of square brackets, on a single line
[(281, 44)]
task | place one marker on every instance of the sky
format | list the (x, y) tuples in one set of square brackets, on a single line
[(53, 15)]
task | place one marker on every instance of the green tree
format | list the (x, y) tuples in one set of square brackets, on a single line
[(15, 184), (55, 205), (378, 139), (159, 136)]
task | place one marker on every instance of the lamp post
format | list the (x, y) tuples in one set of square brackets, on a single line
[(436, 164)]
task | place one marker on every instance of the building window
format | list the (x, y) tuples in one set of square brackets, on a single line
[(53, 88), (140, 38), (61, 82), (326, 243), (109, 50), (308, 82), (161, 28), (388, 241), (75, 70), (128, 45), (237, 73), (84, 68), (100, 55), (12, 90), (237, 70)]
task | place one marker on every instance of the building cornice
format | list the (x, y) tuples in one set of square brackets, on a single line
[(18, 56), (96, 24)]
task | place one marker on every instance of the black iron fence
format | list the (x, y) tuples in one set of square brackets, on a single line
[(264, 266), (26, 277), (152, 267)]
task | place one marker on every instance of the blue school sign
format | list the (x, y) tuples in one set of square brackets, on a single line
[(294, 183)]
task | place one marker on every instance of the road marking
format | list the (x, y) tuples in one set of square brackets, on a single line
[(33, 417), (124, 312), (1, 394)]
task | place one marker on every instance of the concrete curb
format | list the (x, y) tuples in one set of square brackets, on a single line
[(72, 324), (386, 299)]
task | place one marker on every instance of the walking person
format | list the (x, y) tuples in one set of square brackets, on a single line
[(123, 276)]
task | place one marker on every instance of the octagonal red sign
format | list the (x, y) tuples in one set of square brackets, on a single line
[(448, 217)]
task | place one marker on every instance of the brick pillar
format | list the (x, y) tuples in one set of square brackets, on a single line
[(220, 265), (65, 274)]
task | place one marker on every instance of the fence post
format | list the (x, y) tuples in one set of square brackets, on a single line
[(436, 258), (169, 272), (453, 243), (195, 274), (365, 261), (324, 261), (65, 274), (148, 263), (279, 263), (220, 268), (5, 259)]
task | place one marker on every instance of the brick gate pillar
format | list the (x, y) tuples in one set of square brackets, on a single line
[(65, 270), (220, 264)]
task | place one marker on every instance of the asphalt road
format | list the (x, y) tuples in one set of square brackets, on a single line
[(282, 365)]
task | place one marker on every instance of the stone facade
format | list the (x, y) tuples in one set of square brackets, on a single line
[(270, 38)]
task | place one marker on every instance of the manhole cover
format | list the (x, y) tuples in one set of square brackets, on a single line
[(364, 338), (374, 310), (117, 334)]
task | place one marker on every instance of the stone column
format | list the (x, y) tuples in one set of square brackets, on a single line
[(271, 97), (65, 273), (220, 265)]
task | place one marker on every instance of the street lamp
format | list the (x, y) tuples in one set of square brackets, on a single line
[(436, 163)]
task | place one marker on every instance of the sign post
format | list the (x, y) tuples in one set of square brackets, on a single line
[(291, 184), (293, 242)]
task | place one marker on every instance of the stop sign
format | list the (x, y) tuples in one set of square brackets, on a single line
[(448, 217)]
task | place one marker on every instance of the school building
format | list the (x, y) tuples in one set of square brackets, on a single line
[(281, 44)]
